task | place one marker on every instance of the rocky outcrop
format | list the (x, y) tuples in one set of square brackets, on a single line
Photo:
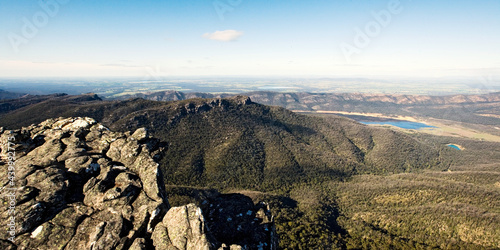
[(184, 109), (220, 221), (182, 228), (74, 184)]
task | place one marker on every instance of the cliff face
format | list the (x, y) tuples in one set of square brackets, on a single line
[(74, 184)]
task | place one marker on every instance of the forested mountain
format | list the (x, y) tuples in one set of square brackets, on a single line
[(235, 142)]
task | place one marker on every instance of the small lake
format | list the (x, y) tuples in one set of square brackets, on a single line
[(371, 120), (400, 124), (453, 146)]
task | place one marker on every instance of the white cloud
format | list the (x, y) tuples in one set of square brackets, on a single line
[(223, 35)]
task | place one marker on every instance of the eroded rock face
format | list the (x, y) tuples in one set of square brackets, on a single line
[(78, 185), (73, 193)]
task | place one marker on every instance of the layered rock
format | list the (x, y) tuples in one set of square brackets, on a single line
[(78, 185)]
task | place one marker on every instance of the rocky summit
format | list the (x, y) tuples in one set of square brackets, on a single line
[(71, 183)]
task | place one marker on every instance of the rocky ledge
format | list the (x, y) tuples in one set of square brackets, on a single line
[(71, 183)]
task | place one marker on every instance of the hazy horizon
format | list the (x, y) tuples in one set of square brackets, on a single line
[(115, 86)]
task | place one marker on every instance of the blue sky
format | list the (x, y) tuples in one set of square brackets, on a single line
[(249, 38)]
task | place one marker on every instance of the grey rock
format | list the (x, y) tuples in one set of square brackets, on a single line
[(138, 244), (140, 134), (182, 228)]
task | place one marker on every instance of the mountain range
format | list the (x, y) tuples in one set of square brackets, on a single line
[(309, 101), (480, 109)]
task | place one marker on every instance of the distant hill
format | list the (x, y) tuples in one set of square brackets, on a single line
[(31, 109), (326, 101), (9, 95), (312, 101), (235, 142), (172, 95)]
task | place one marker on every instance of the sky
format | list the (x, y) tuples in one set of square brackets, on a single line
[(295, 38)]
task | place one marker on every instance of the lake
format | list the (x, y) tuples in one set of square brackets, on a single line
[(453, 146), (372, 120), (400, 124)]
